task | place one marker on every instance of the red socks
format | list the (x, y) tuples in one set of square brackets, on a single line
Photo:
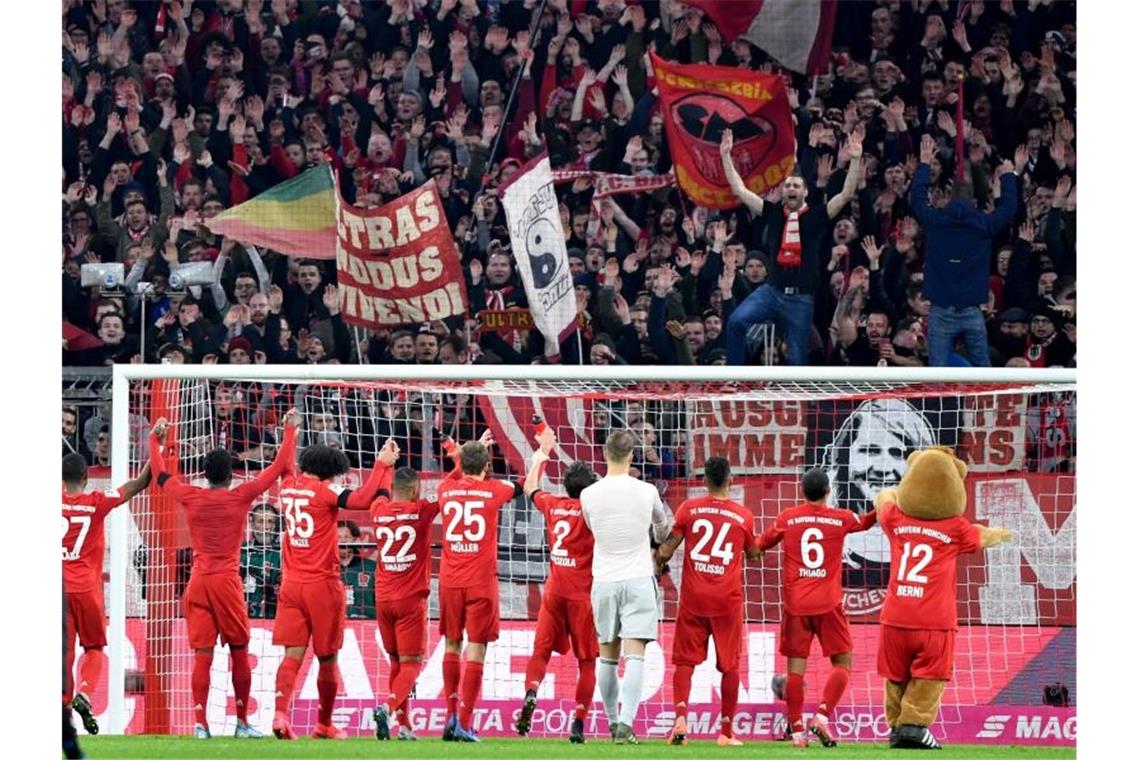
[(451, 681), (200, 685), (794, 696), (286, 680), (393, 672), (682, 684), (328, 683), (584, 694), (69, 669), (729, 694), (90, 669), (536, 670), (402, 685), (472, 680), (242, 679), (833, 690)]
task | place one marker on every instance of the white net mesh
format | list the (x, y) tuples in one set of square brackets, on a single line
[(1016, 603)]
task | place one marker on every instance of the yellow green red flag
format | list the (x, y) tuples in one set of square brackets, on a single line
[(296, 217)]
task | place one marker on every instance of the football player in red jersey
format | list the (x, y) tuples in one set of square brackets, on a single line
[(566, 616), (813, 534), (718, 535), (214, 602), (469, 580), (83, 515), (402, 525), (919, 620), (311, 601)]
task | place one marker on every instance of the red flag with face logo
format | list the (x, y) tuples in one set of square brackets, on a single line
[(699, 102)]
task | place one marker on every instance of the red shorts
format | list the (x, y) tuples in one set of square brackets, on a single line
[(691, 639), (474, 610), (215, 605), (562, 621), (915, 653), (403, 625), (313, 610), (86, 618), (796, 632)]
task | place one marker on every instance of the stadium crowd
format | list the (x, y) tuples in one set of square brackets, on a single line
[(175, 111)]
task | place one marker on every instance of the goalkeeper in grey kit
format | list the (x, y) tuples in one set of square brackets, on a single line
[(622, 511)]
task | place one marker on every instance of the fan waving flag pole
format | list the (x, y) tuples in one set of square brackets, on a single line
[(514, 90)]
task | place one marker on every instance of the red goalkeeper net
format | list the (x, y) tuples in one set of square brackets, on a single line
[(1017, 603)]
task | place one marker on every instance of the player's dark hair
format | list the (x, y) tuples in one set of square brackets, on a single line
[(218, 467), (74, 469), (406, 483), (717, 473), (579, 476), (353, 528), (324, 462), (620, 445), (473, 458), (815, 484)]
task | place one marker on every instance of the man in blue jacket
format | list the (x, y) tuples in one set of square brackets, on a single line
[(959, 240)]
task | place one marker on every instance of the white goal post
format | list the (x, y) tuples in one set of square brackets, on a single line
[(700, 397)]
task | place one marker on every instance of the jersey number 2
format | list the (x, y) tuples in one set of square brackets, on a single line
[(561, 531)]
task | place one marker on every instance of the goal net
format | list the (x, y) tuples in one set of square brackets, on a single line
[(1016, 603)]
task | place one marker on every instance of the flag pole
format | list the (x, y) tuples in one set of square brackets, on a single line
[(511, 97), (959, 133)]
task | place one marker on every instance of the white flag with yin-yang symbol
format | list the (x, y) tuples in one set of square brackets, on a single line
[(539, 247)]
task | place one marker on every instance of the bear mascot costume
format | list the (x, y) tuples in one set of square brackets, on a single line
[(924, 524)]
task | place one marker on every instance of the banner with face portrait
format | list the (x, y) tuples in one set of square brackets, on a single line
[(863, 447), (539, 246)]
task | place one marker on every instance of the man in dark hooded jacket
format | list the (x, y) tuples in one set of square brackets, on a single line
[(959, 241)]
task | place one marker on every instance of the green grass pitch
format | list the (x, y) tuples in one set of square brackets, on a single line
[(165, 747)]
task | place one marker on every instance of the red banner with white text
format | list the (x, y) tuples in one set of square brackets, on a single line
[(398, 264)]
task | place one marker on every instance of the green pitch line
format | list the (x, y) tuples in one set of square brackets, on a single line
[(166, 747)]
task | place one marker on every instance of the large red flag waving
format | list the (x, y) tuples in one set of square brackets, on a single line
[(797, 33), (699, 102)]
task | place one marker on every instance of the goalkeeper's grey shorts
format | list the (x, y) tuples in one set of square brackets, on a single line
[(625, 609)]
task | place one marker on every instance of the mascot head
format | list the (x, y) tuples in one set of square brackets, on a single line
[(934, 486)]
